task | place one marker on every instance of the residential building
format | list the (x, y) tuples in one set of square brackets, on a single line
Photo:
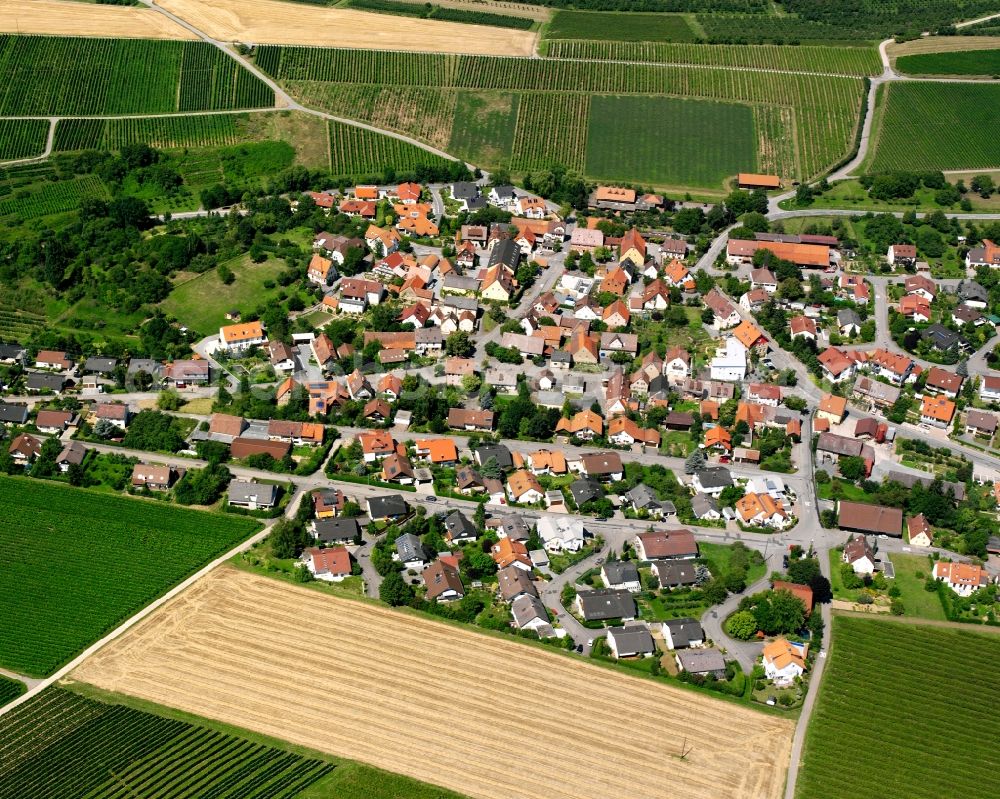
[(919, 531), (711, 480), (672, 574), (865, 518), (621, 574), (937, 411), (241, 337), (389, 506), (561, 533), (859, 554), (683, 633), (331, 564), (630, 640), (442, 581), (605, 604), (251, 495), (784, 661), (702, 662), (666, 545), (962, 578)]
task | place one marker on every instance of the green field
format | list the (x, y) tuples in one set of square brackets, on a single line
[(958, 62), (356, 152), (551, 129), (904, 708), (201, 303), (669, 142), (77, 563), (483, 129), (45, 199), (611, 26), (10, 689), (925, 126), (447, 14), (22, 138), (160, 132), (805, 122), (836, 60), (69, 76)]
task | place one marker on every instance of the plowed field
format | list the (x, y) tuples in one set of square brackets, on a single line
[(56, 18), (483, 716)]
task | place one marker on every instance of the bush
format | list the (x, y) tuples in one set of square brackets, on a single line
[(896, 607)]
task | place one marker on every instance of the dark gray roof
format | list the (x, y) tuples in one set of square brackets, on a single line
[(642, 496), (909, 480), (674, 572), (684, 631), (620, 572), (463, 190), (40, 381), (971, 290), (848, 316), (461, 303), (475, 203), (409, 547), (513, 582), (104, 366), (701, 504), (514, 527), (607, 603), (386, 505), (337, 529), (701, 661), (715, 477), (11, 352), (505, 252), (498, 451), (459, 525), (584, 490), (941, 337), (632, 639), (526, 608), (241, 491), (12, 413), (504, 192), (147, 365), (73, 453)]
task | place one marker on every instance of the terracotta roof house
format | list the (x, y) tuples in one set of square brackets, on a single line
[(859, 554), (508, 552), (836, 365), (937, 411), (962, 578), (718, 437), (468, 419), (919, 531), (153, 476), (802, 592), (225, 426), (784, 661), (832, 408), (942, 381), (332, 564), (672, 544), (802, 327), (523, 487), (585, 424)]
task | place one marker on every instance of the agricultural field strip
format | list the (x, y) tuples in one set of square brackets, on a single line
[(131, 665)]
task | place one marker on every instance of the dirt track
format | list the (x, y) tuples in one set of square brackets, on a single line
[(275, 22), (483, 716), (54, 18)]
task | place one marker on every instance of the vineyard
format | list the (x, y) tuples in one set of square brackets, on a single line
[(832, 60), (667, 141), (613, 26), (17, 325), (965, 62), (930, 126), (894, 693), (822, 110), (10, 689), (482, 131), (356, 152), (446, 14), (245, 649), (207, 130), (551, 129), (45, 199), (60, 745), (22, 138), (66, 76), (774, 127), (77, 563)]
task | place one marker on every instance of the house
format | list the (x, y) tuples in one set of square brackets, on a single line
[(117, 413), (584, 239), (244, 447), (13, 413), (878, 394), (498, 453), (942, 338), (764, 394), (48, 421), (784, 661), (514, 582), (864, 518), (717, 438), (859, 554), (702, 662), (616, 315), (468, 419), (623, 432), (546, 461), (321, 270), (153, 476), (389, 506), (705, 506), (187, 372), (332, 564), (397, 468), (51, 359), (336, 248), (764, 279), (376, 444), (832, 408), (529, 614), (225, 427), (730, 361), (726, 315), (617, 342), (601, 465), (457, 368), (441, 451), (240, 337), (251, 495), (381, 241), (836, 366), (281, 356), (967, 315), (585, 490), (801, 592), (585, 424), (443, 582), (682, 633), (24, 449), (38, 382), (920, 286), (987, 254), (621, 574), (980, 423), (754, 300), (605, 604), (674, 573), (72, 454), (643, 498), (508, 552), (503, 197), (806, 256), (915, 307), (676, 365), (902, 255), (458, 528), (410, 551), (464, 192), (962, 578), (630, 640), (356, 294), (936, 411), (523, 487), (762, 510), (13, 353), (849, 322), (919, 531), (336, 530), (328, 502), (941, 381), (989, 389), (656, 296), (560, 533), (973, 294), (666, 545), (498, 282)]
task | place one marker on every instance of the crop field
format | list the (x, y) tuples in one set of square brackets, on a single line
[(206, 130), (358, 152), (45, 199), (76, 563), (956, 62), (667, 141), (625, 27), (43, 75), (834, 60), (22, 138), (54, 17), (60, 745), (919, 690), (275, 22), (822, 110), (239, 648), (10, 689), (551, 129), (483, 128), (927, 126)]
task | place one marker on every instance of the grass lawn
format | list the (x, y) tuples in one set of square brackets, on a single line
[(620, 27), (677, 443), (718, 556), (670, 606), (201, 405), (126, 552), (921, 691), (916, 601), (668, 141), (927, 126), (202, 302), (851, 194), (850, 491), (317, 318)]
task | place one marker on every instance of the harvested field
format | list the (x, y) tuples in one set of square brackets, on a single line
[(435, 701), (274, 22), (55, 18)]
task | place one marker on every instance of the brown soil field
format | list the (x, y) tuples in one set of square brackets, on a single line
[(55, 18), (478, 714), (275, 22), (941, 44)]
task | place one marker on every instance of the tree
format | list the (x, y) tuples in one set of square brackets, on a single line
[(479, 517), (742, 625), (287, 539), (803, 571), (983, 185), (169, 400), (852, 467), (695, 462), (104, 428), (471, 383), (459, 345), (395, 591)]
